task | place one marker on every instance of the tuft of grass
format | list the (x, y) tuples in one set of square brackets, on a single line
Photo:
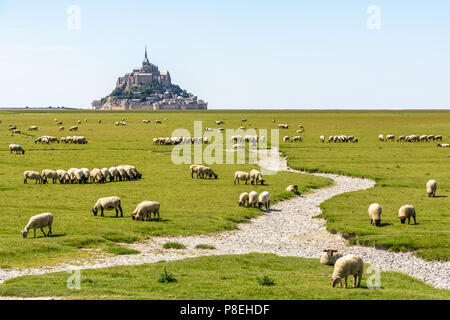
[(166, 277), (173, 245), (266, 281), (205, 246), (122, 251)]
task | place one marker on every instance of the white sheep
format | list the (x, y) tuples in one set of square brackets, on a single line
[(390, 137), (114, 174), (322, 139), (17, 148), (241, 175), (292, 188), (244, 197), (264, 199), (63, 176), (349, 265), (286, 139), (32, 175), (255, 177), (39, 221), (49, 174), (253, 198), (431, 188), (443, 145), (406, 212), (375, 214), (96, 176), (330, 256), (380, 137), (106, 174), (144, 209), (108, 203)]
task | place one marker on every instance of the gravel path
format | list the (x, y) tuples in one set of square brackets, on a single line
[(287, 229)]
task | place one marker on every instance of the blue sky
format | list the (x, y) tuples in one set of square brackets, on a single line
[(234, 54)]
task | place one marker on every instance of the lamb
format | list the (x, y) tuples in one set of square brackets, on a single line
[(39, 221), (252, 198), (241, 175), (32, 175), (17, 148), (406, 212), (264, 198), (244, 197), (292, 188), (375, 214), (108, 203), (144, 209), (256, 176), (431, 188), (347, 266), (330, 256), (50, 174)]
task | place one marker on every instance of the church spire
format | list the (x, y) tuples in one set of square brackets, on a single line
[(146, 52)]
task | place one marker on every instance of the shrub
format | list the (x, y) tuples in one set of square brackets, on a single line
[(166, 277), (266, 281), (174, 245), (204, 246)]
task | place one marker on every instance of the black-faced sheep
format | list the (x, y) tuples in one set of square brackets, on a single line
[(253, 198), (330, 256), (406, 212), (255, 177), (243, 198), (32, 175), (264, 199), (17, 148), (375, 214)]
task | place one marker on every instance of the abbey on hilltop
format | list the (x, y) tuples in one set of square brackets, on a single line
[(148, 89)]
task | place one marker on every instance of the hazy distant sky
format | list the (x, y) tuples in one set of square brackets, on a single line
[(234, 54)]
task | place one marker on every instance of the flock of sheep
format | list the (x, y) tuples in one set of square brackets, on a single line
[(410, 138), (83, 175)]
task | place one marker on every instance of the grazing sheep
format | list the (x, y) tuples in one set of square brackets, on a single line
[(158, 121), (61, 128), (219, 122), (322, 139), (86, 173), (431, 188), (380, 137), (286, 139), (401, 138), (355, 140), (73, 128), (283, 126), (49, 174), (144, 209), (241, 175), (330, 256), (443, 145), (264, 198), (375, 214), (79, 121), (292, 188), (349, 265), (17, 148), (96, 176), (17, 131), (39, 221), (63, 176), (256, 176), (113, 174), (33, 128), (296, 139), (123, 175), (108, 203), (406, 212), (438, 137), (193, 169), (253, 198), (106, 174), (390, 137), (32, 175), (244, 197)]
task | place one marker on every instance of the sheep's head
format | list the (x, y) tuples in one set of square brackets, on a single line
[(335, 280), (377, 222), (402, 220), (23, 151), (95, 210), (330, 252), (24, 233)]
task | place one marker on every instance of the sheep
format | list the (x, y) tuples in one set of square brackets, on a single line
[(61, 128), (63, 176), (390, 137), (17, 131), (32, 175), (86, 172), (241, 175), (132, 171), (375, 214), (80, 177), (292, 188), (264, 198), (106, 174), (208, 172), (438, 137), (443, 145), (296, 139), (108, 203), (17, 148), (79, 121), (100, 121), (380, 137), (252, 199), (406, 212), (346, 266), (355, 140), (73, 128), (113, 174), (322, 139), (12, 127), (219, 122), (49, 174), (193, 169), (71, 173), (33, 128), (123, 175), (330, 139), (283, 126), (431, 188), (330, 256), (97, 176), (286, 139), (256, 176), (59, 123), (39, 221), (401, 138), (144, 209), (158, 122), (244, 197)]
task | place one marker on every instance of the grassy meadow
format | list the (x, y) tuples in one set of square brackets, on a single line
[(237, 278)]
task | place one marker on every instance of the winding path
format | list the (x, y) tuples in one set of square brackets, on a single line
[(287, 229)]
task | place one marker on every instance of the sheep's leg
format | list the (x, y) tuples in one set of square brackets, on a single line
[(102, 211), (345, 280), (49, 230), (117, 212), (34, 235), (355, 277), (414, 217), (359, 279), (42, 229), (121, 212)]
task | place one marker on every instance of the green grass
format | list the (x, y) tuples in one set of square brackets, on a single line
[(205, 246), (122, 251), (188, 206), (173, 245), (237, 278)]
